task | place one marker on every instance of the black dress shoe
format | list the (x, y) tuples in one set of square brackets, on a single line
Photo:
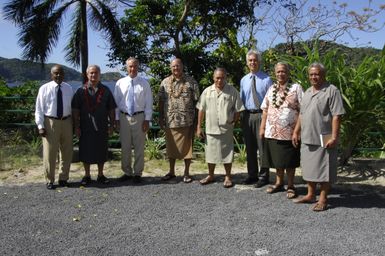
[(249, 181), (50, 186), (137, 179), (103, 179), (261, 183), (85, 180), (124, 177), (63, 183)]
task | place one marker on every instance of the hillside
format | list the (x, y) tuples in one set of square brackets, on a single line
[(354, 56), (12, 70)]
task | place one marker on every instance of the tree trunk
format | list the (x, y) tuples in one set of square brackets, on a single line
[(84, 40)]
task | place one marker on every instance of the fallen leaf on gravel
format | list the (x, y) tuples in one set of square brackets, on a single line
[(76, 219), (79, 206)]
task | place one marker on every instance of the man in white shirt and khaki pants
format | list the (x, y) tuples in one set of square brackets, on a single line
[(134, 99), (53, 119)]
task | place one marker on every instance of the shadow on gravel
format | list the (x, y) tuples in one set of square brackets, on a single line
[(363, 169), (357, 196)]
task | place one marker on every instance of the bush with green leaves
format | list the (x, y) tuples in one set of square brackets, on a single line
[(362, 88)]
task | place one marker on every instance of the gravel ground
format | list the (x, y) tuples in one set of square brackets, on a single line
[(158, 218)]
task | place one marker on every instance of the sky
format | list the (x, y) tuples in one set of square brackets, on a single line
[(98, 47)]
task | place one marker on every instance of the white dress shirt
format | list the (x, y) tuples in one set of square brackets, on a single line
[(142, 93), (46, 102)]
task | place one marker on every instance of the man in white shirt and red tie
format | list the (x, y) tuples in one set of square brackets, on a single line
[(134, 99), (53, 119)]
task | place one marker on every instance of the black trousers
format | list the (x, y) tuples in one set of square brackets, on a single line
[(254, 145)]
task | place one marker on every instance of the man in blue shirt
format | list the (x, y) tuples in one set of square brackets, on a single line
[(253, 89)]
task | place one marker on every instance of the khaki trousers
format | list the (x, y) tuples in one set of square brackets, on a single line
[(132, 136), (58, 139)]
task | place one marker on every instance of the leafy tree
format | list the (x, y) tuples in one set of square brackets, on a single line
[(202, 33), (40, 23)]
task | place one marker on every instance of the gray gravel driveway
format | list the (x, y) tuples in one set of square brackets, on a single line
[(158, 218)]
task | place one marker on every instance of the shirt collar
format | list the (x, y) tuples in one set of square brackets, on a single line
[(212, 88)]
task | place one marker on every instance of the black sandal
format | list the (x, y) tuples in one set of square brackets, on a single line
[(168, 176), (275, 189), (291, 193)]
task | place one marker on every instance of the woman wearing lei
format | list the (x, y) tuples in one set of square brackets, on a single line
[(93, 110), (280, 113)]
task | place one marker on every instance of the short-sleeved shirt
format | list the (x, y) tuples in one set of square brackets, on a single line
[(317, 111), (281, 121), (219, 108), (179, 97)]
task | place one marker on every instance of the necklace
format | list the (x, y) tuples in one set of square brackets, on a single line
[(276, 89), (182, 88)]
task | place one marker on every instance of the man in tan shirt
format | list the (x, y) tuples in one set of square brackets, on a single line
[(221, 105)]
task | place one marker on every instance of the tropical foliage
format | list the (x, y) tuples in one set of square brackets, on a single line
[(202, 33), (18, 103), (40, 22), (362, 88)]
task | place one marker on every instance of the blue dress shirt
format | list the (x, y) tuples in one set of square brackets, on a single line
[(263, 82)]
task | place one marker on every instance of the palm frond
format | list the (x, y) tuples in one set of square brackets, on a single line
[(72, 49), (102, 18), (39, 34), (19, 10)]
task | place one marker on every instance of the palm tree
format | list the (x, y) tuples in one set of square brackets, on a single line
[(40, 22)]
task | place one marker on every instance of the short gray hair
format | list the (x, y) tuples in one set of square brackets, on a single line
[(282, 63), (318, 65), (93, 66), (255, 53), (135, 60)]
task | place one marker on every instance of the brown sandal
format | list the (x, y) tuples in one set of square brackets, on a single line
[(319, 207), (304, 200), (206, 180)]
